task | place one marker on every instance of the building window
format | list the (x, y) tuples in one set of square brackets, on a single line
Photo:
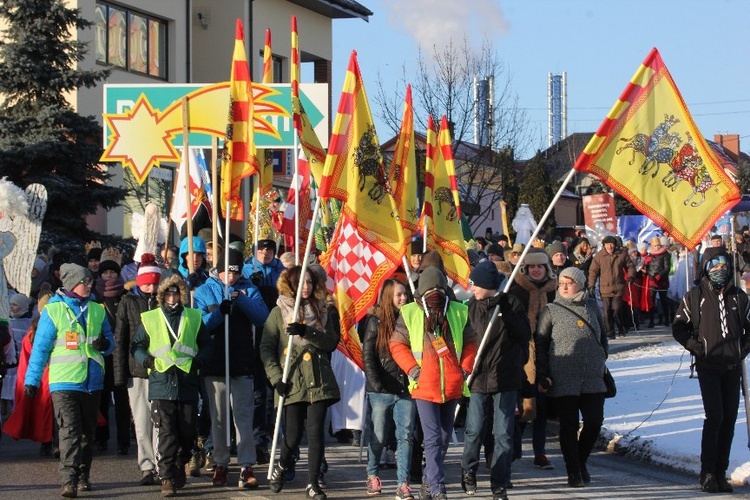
[(130, 40)]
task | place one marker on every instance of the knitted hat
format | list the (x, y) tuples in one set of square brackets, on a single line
[(485, 275), (94, 254), (431, 278), (72, 274), (21, 301), (148, 272), (417, 247), (110, 260), (576, 275), (234, 263), (555, 248)]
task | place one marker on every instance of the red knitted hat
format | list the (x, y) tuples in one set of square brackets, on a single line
[(149, 272)]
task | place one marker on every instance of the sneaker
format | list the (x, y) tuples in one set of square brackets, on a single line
[(180, 478), (148, 478), (404, 493), (193, 468), (373, 485), (210, 462), (723, 484), (167, 488), (424, 491), (575, 480), (440, 495), (543, 462), (500, 494), (315, 492), (709, 483), (69, 490), (220, 476), (276, 483), (247, 479), (84, 484), (468, 482)]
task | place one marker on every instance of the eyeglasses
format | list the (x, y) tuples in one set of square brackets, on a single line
[(563, 284)]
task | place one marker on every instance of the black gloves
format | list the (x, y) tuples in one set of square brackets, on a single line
[(225, 307), (504, 302), (192, 281), (297, 329), (100, 344), (282, 388), (30, 391), (631, 280), (256, 278), (149, 362)]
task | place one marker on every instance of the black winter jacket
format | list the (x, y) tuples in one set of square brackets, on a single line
[(500, 367), (382, 374), (127, 322), (722, 339)]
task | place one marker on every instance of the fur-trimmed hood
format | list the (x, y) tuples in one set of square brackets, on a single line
[(173, 280)]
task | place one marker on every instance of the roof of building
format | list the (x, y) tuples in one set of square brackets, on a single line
[(336, 9)]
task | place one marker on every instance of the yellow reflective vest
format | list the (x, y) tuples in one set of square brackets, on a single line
[(184, 349), (70, 365)]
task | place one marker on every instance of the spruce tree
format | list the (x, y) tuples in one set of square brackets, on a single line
[(42, 138)]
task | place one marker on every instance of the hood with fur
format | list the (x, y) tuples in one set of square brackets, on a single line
[(285, 288), (173, 280)]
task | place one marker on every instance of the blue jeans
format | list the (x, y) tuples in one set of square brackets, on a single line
[(437, 427), (384, 410), (504, 405)]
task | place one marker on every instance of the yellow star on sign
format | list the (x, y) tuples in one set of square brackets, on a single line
[(141, 125)]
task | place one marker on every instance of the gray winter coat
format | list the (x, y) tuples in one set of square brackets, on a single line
[(567, 352)]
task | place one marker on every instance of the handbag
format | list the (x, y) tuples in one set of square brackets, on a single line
[(609, 380)]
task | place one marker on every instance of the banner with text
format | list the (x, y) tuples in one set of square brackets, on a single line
[(599, 217)]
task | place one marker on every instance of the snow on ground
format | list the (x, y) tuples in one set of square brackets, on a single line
[(658, 413)]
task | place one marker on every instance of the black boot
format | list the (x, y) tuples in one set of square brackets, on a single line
[(575, 480), (723, 484), (708, 483)]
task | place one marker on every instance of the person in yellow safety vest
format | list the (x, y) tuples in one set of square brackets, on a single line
[(434, 344), (172, 344), (73, 335)]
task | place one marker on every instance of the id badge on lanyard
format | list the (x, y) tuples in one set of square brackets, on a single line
[(441, 348)]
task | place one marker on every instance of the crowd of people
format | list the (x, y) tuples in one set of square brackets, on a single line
[(157, 337)]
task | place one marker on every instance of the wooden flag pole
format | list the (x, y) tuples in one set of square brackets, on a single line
[(186, 172), (215, 197)]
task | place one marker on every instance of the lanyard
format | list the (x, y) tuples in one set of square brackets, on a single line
[(169, 326), (75, 319)]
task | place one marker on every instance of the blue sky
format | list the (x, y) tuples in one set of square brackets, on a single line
[(599, 43)]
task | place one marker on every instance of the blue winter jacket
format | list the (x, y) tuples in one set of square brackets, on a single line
[(209, 295), (44, 343), (270, 271)]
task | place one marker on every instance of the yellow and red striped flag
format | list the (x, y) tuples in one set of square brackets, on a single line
[(265, 157), (431, 151), (308, 139), (238, 159), (368, 242), (403, 172), (447, 235), (650, 151)]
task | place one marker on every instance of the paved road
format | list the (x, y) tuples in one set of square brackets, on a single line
[(25, 476)]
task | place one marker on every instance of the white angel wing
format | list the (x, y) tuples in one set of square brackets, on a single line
[(27, 230)]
